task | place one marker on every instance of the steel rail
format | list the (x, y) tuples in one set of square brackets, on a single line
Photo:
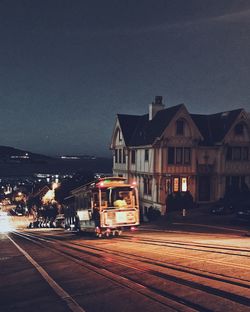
[(180, 281)]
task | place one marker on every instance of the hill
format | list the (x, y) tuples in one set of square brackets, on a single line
[(16, 162), (13, 155)]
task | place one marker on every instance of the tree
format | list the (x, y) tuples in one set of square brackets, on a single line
[(68, 184)]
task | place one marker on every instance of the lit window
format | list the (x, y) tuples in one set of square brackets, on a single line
[(176, 184), (183, 184)]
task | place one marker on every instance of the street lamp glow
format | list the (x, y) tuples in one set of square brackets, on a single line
[(5, 225), (55, 185)]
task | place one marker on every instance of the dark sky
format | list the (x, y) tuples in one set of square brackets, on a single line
[(68, 67)]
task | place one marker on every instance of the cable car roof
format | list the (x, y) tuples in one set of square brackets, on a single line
[(105, 182)]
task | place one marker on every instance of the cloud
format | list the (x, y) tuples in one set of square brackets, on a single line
[(235, 17), (240, 17)]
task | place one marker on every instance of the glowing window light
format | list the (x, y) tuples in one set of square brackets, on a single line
[(176, 184), (184, 184)]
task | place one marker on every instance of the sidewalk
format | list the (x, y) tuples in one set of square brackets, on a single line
[(194, 218)]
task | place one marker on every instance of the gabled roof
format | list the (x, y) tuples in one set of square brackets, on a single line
[(161, 120), (128, 124), (139, 130), (214, 127)]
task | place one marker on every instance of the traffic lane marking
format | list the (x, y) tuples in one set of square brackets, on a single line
[(71, 303)]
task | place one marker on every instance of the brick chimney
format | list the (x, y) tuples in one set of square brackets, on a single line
[(155, 107)]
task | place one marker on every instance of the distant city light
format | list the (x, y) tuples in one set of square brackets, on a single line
[(26, 156), (70, 157)]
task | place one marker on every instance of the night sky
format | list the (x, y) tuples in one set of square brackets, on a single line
[(68, 67)]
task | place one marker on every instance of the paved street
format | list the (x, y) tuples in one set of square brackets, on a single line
[(177, 266)]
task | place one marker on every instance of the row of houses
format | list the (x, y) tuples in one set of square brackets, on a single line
[(170, 150)]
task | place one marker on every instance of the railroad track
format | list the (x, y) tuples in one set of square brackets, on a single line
[(202, 249), (211, 248), (166, 303), (164, 283)]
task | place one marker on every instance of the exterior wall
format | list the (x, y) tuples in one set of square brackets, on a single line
[(120, 153), (186, 141), (208, 167), (238, 169), (156, 167), (206, 173), (213, 162)]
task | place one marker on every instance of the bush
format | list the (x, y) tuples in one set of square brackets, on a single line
[(178, 201), (153, 213)]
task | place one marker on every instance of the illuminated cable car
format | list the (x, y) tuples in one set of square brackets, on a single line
[(106, 207)]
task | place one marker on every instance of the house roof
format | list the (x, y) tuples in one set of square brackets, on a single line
[(128, 124), (140, 131), (214, 127)]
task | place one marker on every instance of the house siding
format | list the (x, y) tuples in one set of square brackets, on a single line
[(206, 172)]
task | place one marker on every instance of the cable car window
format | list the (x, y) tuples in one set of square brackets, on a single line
[(104, 199), (96, 200), (123, 194)]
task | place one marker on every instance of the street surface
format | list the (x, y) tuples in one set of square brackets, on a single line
[(160, 267)]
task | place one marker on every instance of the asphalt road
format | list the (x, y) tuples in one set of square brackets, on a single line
[(177, 266)]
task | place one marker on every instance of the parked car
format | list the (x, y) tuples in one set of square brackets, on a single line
[(243, 213), (40, 223), (20, 210), (59, 221), (17, 211), (222, 207)]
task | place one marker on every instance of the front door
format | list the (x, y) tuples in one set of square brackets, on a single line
[(204, 185)]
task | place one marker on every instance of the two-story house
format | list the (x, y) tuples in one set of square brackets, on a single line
[(170, 150)]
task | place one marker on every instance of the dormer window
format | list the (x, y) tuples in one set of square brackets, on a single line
[(133, 157), (119, 135), (238, 129), (146, 155), (180, 127)]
